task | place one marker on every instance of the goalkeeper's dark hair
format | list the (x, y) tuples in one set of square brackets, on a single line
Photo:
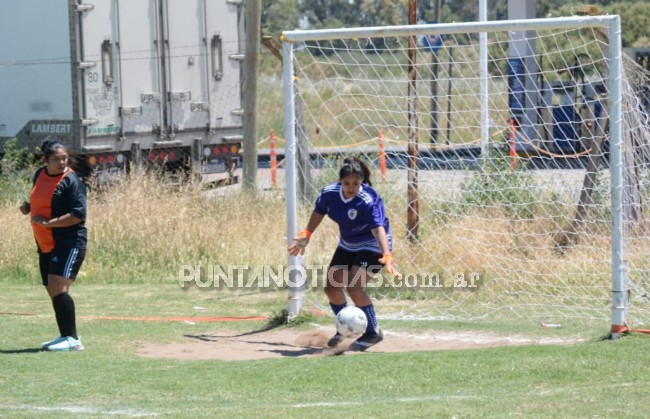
[(354, 166), (49, 145)]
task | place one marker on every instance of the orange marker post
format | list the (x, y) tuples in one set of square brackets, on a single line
[(274, 160), (511, 144), (382, 157)]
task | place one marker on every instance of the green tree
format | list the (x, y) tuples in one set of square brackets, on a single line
[(323, 13), (635, 21), (547, 8), (383, 12), (635, 18), (279, 15)]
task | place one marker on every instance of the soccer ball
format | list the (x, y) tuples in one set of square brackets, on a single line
[(351, 321)]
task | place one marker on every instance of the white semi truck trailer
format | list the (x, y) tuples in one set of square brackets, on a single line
[(125, 82)]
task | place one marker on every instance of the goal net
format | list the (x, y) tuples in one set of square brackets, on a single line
[(511, 157)]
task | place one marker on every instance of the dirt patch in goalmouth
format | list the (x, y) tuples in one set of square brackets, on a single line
[(281, 343)]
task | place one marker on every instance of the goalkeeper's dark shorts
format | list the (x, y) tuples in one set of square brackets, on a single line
[(345, 260), (61, 261)]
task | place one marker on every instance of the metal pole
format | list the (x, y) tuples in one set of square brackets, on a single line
[(75, 22), (448, 28), (273, 160), (412, 186), (136, 158), (619, 268), (295, 263), (449, 74), (435, 63), (252, 20), (435, 5), (483, 63)]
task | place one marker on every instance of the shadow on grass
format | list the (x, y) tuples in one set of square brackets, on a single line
[(284, 349), (309, 347), (309, 352), (214, 338), (275, 321), (296, 353), (21, 351), (293, 351)]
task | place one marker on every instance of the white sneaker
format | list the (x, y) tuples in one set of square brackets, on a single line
[(67, 344), (44, 345)]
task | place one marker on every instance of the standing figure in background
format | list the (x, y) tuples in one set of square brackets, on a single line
[(58, 214)]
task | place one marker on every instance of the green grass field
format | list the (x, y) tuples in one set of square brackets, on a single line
[(141, 232), (592, 378)]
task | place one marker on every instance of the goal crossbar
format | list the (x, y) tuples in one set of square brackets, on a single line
[(450, 28)]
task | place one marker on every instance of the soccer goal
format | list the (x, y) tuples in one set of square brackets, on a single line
[(511, 157)]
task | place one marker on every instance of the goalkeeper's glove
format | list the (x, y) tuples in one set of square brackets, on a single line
[(389, 264), (299, 243)]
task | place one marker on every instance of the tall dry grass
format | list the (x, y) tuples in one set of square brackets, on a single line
[(142, 231), (18, 258)]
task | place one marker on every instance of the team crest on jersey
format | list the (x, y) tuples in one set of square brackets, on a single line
[(352, 214)]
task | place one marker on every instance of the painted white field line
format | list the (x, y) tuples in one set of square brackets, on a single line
[(449, 397), (82, 410), (387, 400), (566, 390), (483, 338)]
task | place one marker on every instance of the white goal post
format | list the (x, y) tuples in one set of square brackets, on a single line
[(460, 209)]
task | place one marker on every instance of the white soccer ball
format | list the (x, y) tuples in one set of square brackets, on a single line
[(351, 322)]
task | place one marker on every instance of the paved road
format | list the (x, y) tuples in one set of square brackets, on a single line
[(432, 183)]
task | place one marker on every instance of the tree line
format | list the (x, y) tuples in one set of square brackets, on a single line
[(280, 15)]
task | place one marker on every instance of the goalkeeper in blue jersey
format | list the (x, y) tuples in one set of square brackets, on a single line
[(364, 247)]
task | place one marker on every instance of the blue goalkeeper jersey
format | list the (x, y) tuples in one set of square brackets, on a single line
[(356, 217)]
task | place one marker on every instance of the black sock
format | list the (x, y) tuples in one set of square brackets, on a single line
[(65, 315), (58, 318)]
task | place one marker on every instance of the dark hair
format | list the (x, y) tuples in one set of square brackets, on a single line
[(49, 145), (354, 166)]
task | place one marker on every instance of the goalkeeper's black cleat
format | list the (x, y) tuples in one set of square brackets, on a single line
[(367, 340), (335, 340)]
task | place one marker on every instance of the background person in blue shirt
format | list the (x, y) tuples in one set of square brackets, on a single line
[(364, 248)]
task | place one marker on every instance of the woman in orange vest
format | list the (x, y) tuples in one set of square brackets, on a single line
[(58, 214)]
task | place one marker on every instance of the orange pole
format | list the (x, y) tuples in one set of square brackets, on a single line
[(274, 160), (382, 157), (511, 144)]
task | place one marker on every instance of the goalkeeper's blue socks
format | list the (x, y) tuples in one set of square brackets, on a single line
[(338, 307), (373, 325)]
